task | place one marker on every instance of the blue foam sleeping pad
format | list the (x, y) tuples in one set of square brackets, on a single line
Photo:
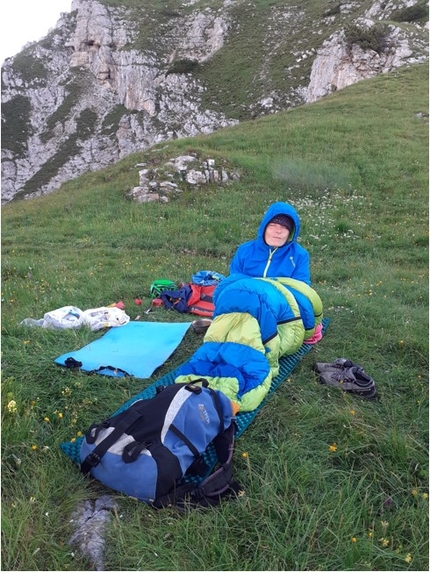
[(136, 349)]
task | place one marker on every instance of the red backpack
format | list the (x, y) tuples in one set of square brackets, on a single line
[(200, 301), (190, 298)]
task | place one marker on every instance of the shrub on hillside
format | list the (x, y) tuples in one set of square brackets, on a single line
[(182, 66), (374, 38), (418, 12), (332, 11)]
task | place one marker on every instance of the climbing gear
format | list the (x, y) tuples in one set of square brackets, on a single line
[(351, 379), (159, 286)]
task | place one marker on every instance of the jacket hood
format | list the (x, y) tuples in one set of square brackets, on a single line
[(278, 209)]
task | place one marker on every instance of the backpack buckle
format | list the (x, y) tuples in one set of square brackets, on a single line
[(193, 388), (93, 459)]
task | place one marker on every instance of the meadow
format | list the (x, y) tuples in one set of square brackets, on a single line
[(330, 481)]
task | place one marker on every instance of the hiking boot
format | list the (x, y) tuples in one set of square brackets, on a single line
[(354, 380), (338, 364)]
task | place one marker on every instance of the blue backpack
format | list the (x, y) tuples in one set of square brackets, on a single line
[(207, 278), (154, 450)]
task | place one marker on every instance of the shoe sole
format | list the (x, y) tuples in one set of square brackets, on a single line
[(367, 393)]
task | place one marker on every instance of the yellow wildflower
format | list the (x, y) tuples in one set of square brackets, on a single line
[(352, 412), (333, 448), (408, 558), (34, 447), (414, 492), (11, 406), (46, 419), (244, 455), (425, 496), (353, 539), (60, 416)]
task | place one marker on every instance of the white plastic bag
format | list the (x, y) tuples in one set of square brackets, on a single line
[(104, 317), (72, 317), (66, 317)]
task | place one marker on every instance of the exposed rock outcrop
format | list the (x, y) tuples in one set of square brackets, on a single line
[(109, 81), (338, 64), (89, 521), (95, 101), (157, 184)]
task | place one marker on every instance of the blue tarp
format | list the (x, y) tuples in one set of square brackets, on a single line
[(138, 348)]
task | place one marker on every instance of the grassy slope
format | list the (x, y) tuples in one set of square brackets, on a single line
[(356, 167)]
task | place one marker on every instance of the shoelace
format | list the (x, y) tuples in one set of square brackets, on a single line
[(351, 376), (339, 363)]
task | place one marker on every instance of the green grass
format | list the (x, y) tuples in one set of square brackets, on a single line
[(330, 482)]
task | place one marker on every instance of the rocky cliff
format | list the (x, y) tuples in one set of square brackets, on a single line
[(114, 77)]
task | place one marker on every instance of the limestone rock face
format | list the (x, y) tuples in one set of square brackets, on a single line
[(94, 102), (109, 81), (338, 65)]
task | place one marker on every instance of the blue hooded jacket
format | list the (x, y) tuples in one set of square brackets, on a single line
[(256, 258)]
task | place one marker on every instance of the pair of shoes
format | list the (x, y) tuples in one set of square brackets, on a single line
[(348, 376), (338, 365)]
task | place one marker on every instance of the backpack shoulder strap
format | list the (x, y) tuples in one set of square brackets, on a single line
[(94, 458)]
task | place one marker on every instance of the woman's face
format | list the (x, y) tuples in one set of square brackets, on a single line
[(276, 234)]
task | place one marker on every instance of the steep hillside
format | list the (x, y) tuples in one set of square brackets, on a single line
[(116, 76)]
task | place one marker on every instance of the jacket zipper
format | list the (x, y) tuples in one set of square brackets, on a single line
[(269, 260)]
